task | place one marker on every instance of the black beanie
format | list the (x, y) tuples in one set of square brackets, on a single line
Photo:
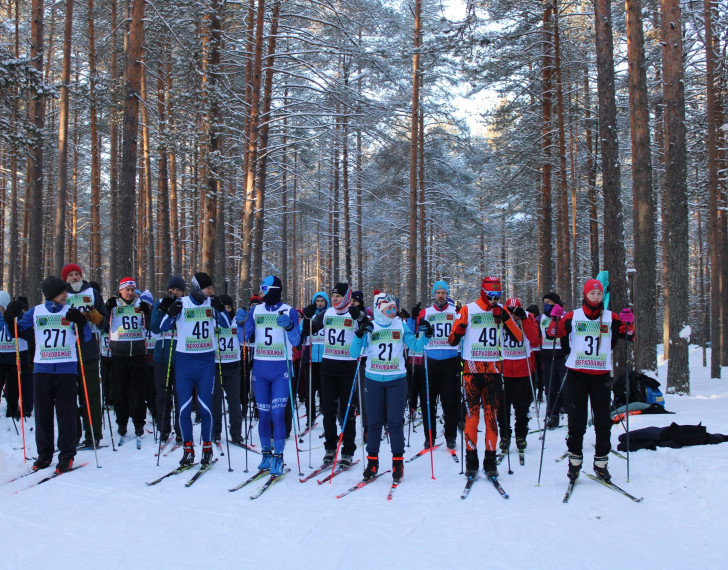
[(52, 287), (341, 288), (176, 282), (226, 299), (554, 298), (358, 296), (533, 309), (203, 280)]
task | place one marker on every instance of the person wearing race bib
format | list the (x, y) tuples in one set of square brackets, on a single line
[(274, 327), (228, 365), (164, 361), (553, 359), (443, 365), (55, 325), (195, 317), (480, 327), (384, 340), (150, 341), (128, 320), (248, 356), (593, 333), (89, 301), (537, 373), (338, 368), (313, 353), (8, 367), (518, 369)]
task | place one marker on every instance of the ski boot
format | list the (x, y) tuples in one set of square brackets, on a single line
[(372, 467), (451, 443), (345, 461), (471, 463), (206, 453), (521, 444), (64, 465), (505, 444), (489, 464), (276, 467), (42, 463), (188, 458), (329, 456), (600, 467), (267, 460), (397, 468), (575, 462)]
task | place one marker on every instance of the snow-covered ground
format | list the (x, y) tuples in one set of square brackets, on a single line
[(108, 518)]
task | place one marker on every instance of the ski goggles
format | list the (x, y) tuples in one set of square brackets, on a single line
[(493, 294), (265, 288), (388, 306)]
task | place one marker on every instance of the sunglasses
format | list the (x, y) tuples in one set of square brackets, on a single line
[(265, 288)]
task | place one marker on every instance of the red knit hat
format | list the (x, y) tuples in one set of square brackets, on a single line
[(68, 268), (592, 284), (127, 282)]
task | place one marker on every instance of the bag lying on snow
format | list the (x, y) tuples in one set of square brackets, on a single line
[(642, 388), (673, 436), (636, 409)]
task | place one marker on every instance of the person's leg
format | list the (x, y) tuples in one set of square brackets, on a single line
[(66, 414)]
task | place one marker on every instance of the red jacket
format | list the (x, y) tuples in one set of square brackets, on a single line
[(521, 368)]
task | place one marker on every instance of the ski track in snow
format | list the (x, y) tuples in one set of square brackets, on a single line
[(108, 518)]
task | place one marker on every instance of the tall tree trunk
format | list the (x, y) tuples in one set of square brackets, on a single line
[(95, 229), (645, 353), (591, 179), (345, 181), (163, 213), (414, 122), (62, 186), (546, 250), (149, 253), (424, 265), (114, 216), (36, 112), (716, 300), (174, 206), (284, 206), (15, 266), (678, 374), (614, 254), (563, 243), (127, 188), (334, 235), (72, 248)]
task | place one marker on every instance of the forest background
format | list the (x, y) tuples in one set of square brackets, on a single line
[(326, 141)]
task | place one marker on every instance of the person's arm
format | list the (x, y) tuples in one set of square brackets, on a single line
[(294, 332), (459, 327)]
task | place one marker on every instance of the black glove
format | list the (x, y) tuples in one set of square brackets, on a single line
[(355, 312), (365, 327), (166, 302), (519, 312), (12, 311), (216, 303), (175, 308), (309, 311), (458, 306), (146, 310), (500, 314), (111, 303), (426, 327), (416, 310), (404, 315), (76, 317)]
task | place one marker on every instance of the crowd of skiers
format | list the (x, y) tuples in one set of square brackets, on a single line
[(184, 353)]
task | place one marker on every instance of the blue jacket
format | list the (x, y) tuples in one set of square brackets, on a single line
[(294, 335), (27, 322), (414, 343), (318, 350), (162, 346)]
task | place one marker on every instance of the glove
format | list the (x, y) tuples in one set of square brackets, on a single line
[(12, 311), (426, 327), (365, 326), (146, 310), (404, 315), (111, 303), (458, 306), (165, 303), (216, 304), (461, 329), (93, 315), (146, 297), (355, 313), (519, 312), (76, 316), (309, 311), (241, 316), (175, 308), (557, 312), (416, 310), (500, 314), (626, 316), (284, 321)]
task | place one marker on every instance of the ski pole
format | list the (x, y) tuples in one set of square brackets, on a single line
[(409, 405), (20, 389), (346, 414), (545, 422), (462, 431), (166, 394), (85, 391), (360, 380), (429, 417), (310, 395), (506, 416), (530, 380), (294, 413), (626, 373), (247, 397), (222, 390)]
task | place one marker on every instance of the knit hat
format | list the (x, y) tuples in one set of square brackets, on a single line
[(255, 300), (440, 285), (344, 290), (385, 309), (52, 287), (226, 299), (127, 282), (358, 296), (146, 296), (491, 285), (176, 282), (203, 280), (23, 301), (341, 289), (68, 268), (533, 309), (554, 298), (4, 299), (592, 284)]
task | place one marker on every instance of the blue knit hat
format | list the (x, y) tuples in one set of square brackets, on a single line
[(440, 285), (176, 282)]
